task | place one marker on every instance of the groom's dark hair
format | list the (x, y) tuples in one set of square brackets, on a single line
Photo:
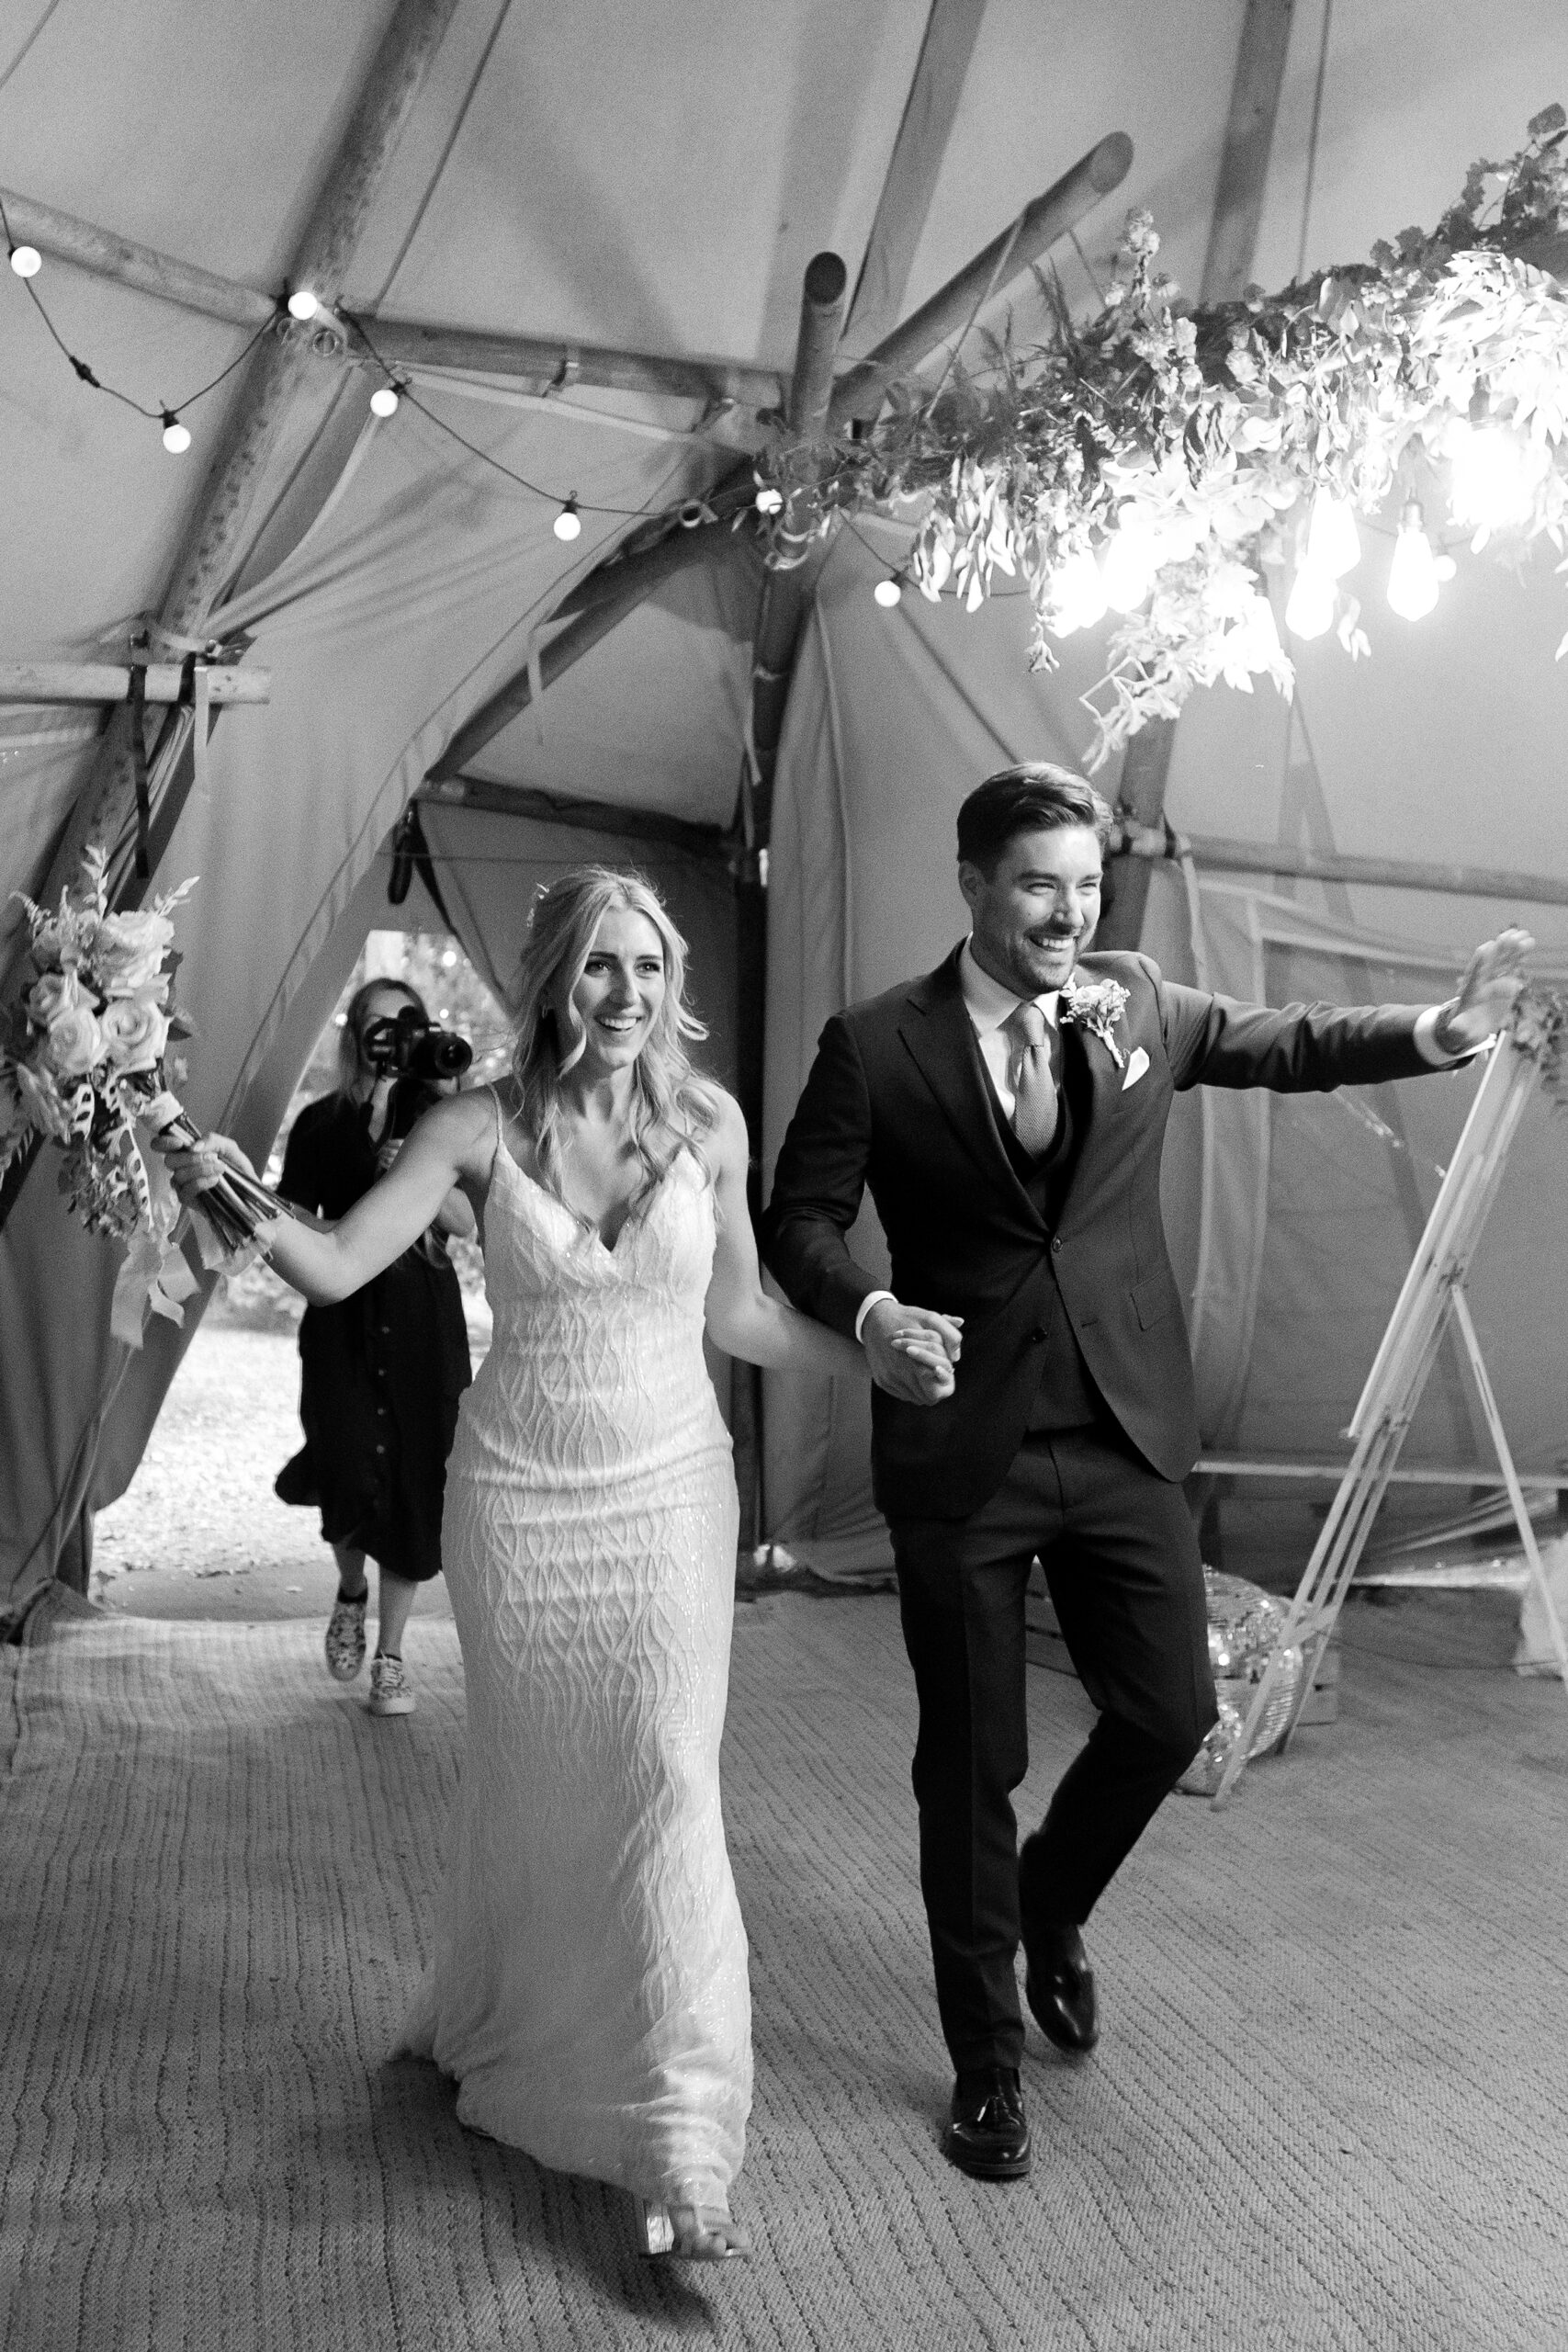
[(1032, 798)]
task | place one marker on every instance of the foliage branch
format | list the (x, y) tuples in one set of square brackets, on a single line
[(1209, 431)]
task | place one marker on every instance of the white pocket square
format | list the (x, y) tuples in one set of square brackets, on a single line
[(1138, 1063)]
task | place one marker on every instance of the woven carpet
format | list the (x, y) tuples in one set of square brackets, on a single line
[(1328, 2110)]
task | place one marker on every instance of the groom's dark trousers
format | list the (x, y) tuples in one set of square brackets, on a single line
[(1072, 1423)]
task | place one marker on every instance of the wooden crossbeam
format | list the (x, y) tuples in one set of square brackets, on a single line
[(1390, 873), (109, 682), (104, 252), (581, 815), (404, 342)]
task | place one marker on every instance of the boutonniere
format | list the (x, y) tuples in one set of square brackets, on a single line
[(1096, 1008)]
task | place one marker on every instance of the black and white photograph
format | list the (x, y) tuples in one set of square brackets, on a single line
[(784, 1176)]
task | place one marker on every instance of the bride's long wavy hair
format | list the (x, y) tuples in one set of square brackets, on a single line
[(674, 1108)]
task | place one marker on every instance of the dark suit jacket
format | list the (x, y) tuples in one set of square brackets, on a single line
[(897, 1100)]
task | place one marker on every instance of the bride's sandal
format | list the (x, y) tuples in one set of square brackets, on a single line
[(690, 2232)]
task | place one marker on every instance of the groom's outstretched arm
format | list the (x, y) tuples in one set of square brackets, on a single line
[(818, 1185)]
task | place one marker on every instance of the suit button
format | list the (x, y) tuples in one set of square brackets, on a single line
[(1038, 1334), (1055, 1241)]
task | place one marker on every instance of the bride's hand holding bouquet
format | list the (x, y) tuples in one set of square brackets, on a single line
[(86, 1064)]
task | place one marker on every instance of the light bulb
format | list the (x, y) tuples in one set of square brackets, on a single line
[(568, 523), (1334, 544), (769, 501), (1413, 575), (1128, 571), (1495, 477), (1079, 594), (176, 437), (303, 304), (26, 260), (1311, 608), (888, 592), (384, 401)]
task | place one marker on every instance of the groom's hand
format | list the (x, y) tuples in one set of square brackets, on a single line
[(1491, 981), (911, 1351)]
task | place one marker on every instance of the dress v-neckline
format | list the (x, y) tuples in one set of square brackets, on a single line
[(582, 1225)]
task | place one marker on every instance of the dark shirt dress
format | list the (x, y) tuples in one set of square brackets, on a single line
[(381, 1373)]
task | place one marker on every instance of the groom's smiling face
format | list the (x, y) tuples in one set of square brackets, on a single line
[(1035, 912)]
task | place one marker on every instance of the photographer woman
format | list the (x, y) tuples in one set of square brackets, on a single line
[(382, 1371)]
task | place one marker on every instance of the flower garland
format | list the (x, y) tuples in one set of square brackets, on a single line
[(1156, 461)]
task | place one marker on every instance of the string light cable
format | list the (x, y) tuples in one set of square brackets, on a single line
[(176, 436), (571, 506)]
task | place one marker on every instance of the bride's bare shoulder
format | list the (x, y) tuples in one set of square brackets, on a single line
[(465, 1124)]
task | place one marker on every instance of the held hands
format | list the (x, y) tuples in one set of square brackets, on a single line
[(911, 1351), (1492, 982)]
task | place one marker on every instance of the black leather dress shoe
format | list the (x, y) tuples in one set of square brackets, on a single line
[(1058, 1984), (989, 2135)]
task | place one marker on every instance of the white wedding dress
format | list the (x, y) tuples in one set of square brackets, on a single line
[(590, 1991)]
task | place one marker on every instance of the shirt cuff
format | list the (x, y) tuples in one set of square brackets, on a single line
[(872, 1298), (1425, 1040)]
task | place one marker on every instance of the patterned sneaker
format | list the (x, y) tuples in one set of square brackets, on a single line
[(345, 1638), (390, 1692)]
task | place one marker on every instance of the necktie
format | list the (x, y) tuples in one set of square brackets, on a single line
[(1034, 1113)]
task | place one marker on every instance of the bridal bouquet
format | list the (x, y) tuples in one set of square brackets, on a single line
[(86, 1067)]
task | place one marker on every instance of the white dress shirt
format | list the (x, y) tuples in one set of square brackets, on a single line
[(990, 1007)]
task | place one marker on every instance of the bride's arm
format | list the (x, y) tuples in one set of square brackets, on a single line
[(745, 1322), (453, 1142)]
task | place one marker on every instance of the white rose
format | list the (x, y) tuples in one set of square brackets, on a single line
[(73, 1043), (53, 994), (134, 1034), (130, 949)]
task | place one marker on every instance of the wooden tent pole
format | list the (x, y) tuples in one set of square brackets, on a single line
[(104, 806), (126, 262), (596, 606), (706, 842), (1375, 873), (951, 29), (403, 343), (280, 365), (1233, 234), (859, 394), (782, 609), (109, 682)]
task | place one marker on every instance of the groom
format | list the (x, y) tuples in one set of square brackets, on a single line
[(1007, 1112)]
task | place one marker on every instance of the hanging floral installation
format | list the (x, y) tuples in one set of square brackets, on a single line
[(1157, 463)]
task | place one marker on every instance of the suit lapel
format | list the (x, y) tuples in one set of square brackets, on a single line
[(939, 1036), (1096, 1098)]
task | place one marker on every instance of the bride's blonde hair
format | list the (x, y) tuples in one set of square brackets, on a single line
[(673, 1107)]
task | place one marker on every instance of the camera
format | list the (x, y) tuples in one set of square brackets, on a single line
[(404, 1044), (406, 1048)]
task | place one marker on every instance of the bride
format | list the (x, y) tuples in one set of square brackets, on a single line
[(589, 1991)]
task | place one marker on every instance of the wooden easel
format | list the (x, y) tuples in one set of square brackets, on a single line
[(1434, 1288)]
